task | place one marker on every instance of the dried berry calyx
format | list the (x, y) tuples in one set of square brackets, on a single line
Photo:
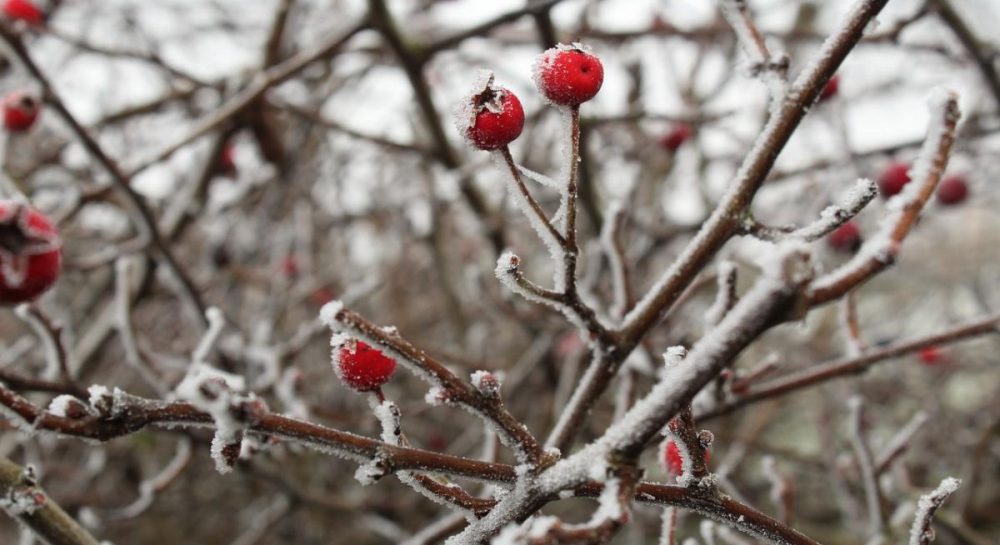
[(492, 116), (30, 253)]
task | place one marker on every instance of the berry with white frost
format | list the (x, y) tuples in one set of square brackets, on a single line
[(30, 253), (568, 75)]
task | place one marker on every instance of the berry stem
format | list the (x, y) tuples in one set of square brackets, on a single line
[(532, 203), (570, 245)]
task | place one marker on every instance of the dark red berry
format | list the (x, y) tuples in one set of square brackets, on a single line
[(952, 190), (830, 89), (24, 10), (290, 266), (227, 159), (30, 253), (672, 458), (893, 178), (362, 367), (931, 355), (679, 133), (846, 238), (20, 111), (493, 117), (568, 75)]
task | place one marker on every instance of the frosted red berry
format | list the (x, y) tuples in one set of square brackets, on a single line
[(893, 178), (362, 367), (494, 117), (30, 253), (846, 238), (20, 111), (568, 75), (673, 461), (24, 10), (676, 137), (952, 190), (931, 355), (830, 89)]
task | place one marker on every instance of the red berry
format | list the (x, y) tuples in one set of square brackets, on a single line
[(24, 10), (290, 266), (893, 178), (227, 159), (931, 355), (952, 190), (30, 253), (362, 367), (20, 110), (493, 118), (672, 458), (322, 296), (568, 75), (680, 133), (845, 238), (830, 89)]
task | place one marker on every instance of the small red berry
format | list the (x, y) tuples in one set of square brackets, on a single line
[(24, 10), (830, 89), (931, 355), (227, 159), (493, 117), (672, 458), (290, 266), (678, 135), (568, 75), (893, 178), (845, 238), (20, 110), (321, 296), (30, 253), (952, 190), (362, 367)]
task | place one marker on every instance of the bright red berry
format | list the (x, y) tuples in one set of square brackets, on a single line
[(30, 253), (893, 178), (24, 10), (679, 133), (492, 117), (362, 367), (845, 238), (672, 458), (952, 190), (568, 75), (931, 355), (20, 110), (830, 89)]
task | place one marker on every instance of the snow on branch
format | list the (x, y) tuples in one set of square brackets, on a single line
[(921, 533)]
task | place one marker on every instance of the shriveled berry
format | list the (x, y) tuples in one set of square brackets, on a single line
[(30, 253), (568, 75), (952, 190), (678, 135), (830, 89), (362, 367), (492, 117), (893, 178), (24, 10), (846, 238), (20, 111)]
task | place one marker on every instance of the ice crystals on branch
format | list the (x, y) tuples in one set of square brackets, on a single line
[(921, 533)]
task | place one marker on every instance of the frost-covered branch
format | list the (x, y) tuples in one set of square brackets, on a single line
[(921, 533), (829, 220), (23, 500), (866, 468)]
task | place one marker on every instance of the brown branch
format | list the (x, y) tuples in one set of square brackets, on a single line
[(25, 501)]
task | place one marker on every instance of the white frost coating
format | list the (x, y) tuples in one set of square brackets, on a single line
[(734, 16), (863, 192), (902, 438), (215, 392), (52, 362), (60, 405), (286, 390), (507, 271), (328, 313), (921, 532), (674, 355), (464, 113), (486, 383), (618, 287), (436, 396), (23, 500), (216, 322), (540, 178), (536, 221), (880, 246), (725, 275)]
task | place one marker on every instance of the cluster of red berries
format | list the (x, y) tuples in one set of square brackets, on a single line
[(952, 190), (30, 253), (20, 111), (24, 10), (362, 367), (565, 75)]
